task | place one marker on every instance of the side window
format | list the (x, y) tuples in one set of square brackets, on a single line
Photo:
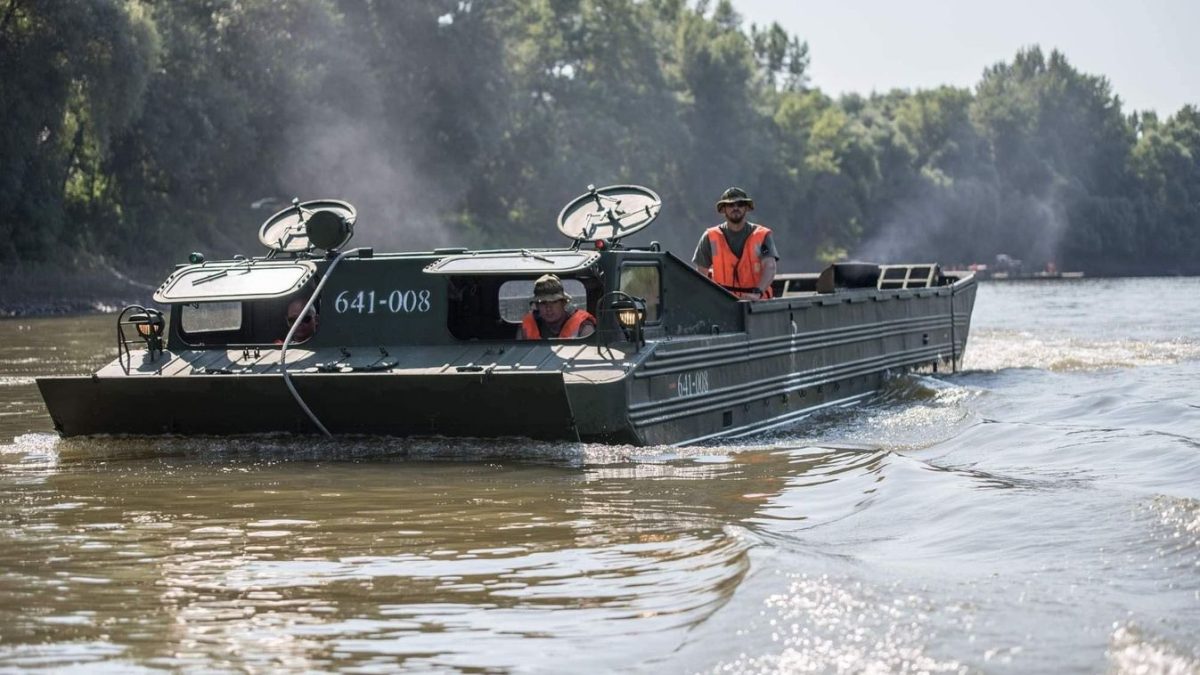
[(643, 281), (515, 296), (211, 317)]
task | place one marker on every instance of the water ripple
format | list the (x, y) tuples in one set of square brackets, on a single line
[(837, 625), (1131, 650), (998, 349)]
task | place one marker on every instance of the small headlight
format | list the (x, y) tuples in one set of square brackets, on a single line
[(631, 315), (149, 325)]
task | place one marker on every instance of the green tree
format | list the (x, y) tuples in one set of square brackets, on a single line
[(72, 77), (1061, 147), (1166, 161), (134, 124), (782, 58)]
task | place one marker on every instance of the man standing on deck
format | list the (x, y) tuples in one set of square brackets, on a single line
[(737, 254)]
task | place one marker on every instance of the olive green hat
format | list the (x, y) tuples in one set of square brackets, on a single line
[(734, 194), (549, 288)]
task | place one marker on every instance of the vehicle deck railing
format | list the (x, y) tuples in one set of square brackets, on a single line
[(923, 275)]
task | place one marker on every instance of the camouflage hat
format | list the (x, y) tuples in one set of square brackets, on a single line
[(548, 288), (732, 195)]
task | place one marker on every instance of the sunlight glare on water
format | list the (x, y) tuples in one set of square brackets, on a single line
[(824, 625), (1038, 512)]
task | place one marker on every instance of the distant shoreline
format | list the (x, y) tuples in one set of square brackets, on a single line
[(87, 287), (62, 307)]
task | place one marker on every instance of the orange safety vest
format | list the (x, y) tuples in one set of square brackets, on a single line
[(740, 275), (570, 327)]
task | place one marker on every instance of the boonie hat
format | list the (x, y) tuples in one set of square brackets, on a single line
[(549, 288), (734, 194)]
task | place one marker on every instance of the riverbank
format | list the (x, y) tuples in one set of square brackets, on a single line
[(45, 289)]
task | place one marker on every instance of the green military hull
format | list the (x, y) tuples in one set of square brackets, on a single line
[(795, 355), (426, 343), (353, 403)]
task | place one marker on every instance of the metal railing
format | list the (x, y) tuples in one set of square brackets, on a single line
[(893, 277)]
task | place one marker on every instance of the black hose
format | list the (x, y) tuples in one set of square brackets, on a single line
[(287, 377)]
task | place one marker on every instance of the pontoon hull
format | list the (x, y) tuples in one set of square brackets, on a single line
[(520, 404), (796, 355)]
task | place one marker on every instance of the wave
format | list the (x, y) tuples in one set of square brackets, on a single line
[(1177, 528), (828, 623), (15, 381), (41, 448), (994, 350), (1131, 649), (910, 412)]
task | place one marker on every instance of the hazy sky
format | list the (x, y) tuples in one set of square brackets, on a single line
[(1149, 49)]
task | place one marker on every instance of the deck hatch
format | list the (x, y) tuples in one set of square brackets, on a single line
[(241, 280), (515, 262)]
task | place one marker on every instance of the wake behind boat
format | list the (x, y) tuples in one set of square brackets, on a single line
[(426, 343)]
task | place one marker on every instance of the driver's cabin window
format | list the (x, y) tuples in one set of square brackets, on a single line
[(516, 298), (491, 308), (251, 322), (211, 317), (210, 323), (643, 281)]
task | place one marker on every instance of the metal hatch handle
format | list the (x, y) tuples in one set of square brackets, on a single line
[(248, 262), (530, 254), (287, 377)]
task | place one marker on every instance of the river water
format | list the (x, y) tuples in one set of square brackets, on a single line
[(1039, 512)]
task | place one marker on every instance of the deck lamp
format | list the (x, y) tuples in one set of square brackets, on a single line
[(149, 325), (631, 314)]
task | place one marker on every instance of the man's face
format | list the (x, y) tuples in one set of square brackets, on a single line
[(735, 212), (552, 311), (308, 324)]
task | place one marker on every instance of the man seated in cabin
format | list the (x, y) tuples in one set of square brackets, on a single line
[(552, 318), (737, 254), (308, 324)]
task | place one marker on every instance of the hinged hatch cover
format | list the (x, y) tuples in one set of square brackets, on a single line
[(320, 223), (237, 280), (515, 262), (609, 213)]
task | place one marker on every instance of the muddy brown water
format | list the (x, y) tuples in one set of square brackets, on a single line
[(1036, 513)]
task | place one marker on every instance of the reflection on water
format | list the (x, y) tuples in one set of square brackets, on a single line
[(821, 625), (1037, 513), (220, 561), (46, 346)]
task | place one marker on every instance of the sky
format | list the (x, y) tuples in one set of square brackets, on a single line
[(1148, 49)]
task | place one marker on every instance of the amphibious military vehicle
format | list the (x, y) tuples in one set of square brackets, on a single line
[(425, 343)]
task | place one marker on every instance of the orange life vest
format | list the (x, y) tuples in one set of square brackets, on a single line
[(570, 327), (740, 275)]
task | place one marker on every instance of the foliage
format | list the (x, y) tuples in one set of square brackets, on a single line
[(137, 127), (72, 78)]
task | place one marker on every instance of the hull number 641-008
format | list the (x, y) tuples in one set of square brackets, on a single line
[(394, 302)]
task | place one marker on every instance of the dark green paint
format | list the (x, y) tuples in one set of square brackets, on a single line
[(710, 366)]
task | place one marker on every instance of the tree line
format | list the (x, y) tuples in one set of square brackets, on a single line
[(136, 129)]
